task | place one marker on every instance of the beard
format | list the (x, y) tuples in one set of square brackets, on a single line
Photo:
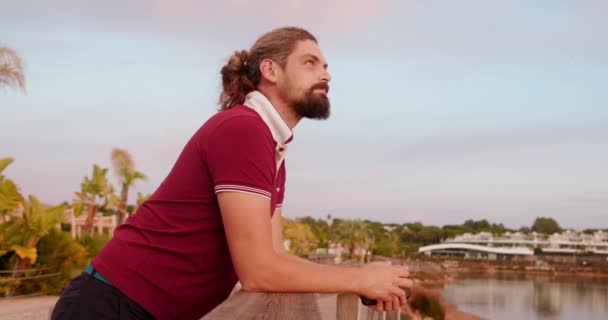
[(314, 105)]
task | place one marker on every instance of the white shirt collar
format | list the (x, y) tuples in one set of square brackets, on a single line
[(278, 127)]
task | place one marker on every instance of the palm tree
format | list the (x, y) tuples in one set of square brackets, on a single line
[(10, 198), (124, 168), (93, 190), (11, 69), (394, 237), (354, 233), (35, 223)]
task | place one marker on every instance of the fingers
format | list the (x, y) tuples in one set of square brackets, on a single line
[(398, 293), (403, 299), (396, 303), (379, 306), (392, 304), (404, 283)]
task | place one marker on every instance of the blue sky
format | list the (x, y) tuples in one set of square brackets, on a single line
[(441, 110)]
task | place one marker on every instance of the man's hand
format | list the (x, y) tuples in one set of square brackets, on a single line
[(384, 283)]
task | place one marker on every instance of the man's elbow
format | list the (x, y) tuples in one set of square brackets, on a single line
[(259, 276), (253, 285), (259, 282)]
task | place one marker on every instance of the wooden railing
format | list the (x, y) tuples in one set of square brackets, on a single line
[(299, 306), (296, 306)]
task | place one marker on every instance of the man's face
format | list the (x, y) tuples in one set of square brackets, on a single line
[(304, 82)]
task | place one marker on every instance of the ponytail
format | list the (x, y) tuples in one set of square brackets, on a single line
[(236, 84)]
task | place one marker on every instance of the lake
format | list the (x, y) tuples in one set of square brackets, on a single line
[(530, 298)]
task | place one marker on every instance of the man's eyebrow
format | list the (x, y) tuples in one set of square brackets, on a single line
[(312, 56)]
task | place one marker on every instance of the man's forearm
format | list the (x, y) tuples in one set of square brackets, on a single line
[(294, 257), (285, 273)]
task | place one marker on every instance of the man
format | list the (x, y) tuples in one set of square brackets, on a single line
[(216, 218)]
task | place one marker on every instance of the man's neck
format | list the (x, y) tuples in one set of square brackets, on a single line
[(284, 109)]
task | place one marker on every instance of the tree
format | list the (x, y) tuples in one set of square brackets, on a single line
[(430, 235), (320, 229), (477, 225), (525, 230), (124, 168), (10, 198), (388, 244), (353, 233), (393, 238), (546, 225), (35, 223), (299, 235), (11, 69), (95, 192)]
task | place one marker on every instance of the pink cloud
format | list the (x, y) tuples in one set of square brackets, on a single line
[(331, 13), (240, 17)]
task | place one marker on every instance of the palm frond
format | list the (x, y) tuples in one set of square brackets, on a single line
[(4, 163), (11, 69)]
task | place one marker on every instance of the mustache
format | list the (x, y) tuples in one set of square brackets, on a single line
[(321, 85)]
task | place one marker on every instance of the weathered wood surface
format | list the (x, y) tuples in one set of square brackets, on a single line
[(348, 307), (267, 306), (295, 306)]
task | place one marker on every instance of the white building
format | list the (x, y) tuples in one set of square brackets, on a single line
[(484, 244)]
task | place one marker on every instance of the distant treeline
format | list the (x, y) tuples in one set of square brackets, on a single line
[(307, 234)]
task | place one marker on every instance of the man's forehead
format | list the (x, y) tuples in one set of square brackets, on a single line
[(308, 48)]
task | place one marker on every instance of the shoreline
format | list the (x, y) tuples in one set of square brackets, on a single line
[(433, 276)]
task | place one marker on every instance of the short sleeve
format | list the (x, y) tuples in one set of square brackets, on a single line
[(240, 156)]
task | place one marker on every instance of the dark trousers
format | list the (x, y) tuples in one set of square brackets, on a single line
[(89, 298)]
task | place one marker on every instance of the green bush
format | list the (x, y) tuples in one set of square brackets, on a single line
[(383, 248), (57, 252), (94, 243)]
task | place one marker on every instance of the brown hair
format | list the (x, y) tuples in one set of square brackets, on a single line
[(241, 74)]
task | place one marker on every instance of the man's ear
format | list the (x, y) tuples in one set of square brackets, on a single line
[(268, 69)]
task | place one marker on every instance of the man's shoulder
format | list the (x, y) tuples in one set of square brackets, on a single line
[(239, 120), (238, 114)]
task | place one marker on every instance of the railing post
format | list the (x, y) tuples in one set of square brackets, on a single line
[(393, 315), (348, 307), (370, 314)]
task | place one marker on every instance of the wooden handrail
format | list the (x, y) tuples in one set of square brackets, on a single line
[(268, 306), (293, 306)]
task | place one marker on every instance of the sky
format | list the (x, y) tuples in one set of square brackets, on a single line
[(442, 111)]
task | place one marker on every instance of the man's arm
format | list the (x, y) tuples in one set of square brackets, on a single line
[(260, 268)]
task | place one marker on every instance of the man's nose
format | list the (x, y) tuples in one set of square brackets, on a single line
[(326, 76)]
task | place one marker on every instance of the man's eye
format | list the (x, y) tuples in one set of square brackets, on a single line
[(310, 62)]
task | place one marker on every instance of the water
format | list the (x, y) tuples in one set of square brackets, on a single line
[(531, 298)]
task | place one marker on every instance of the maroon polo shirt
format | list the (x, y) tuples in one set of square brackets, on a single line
[(172, 256)]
